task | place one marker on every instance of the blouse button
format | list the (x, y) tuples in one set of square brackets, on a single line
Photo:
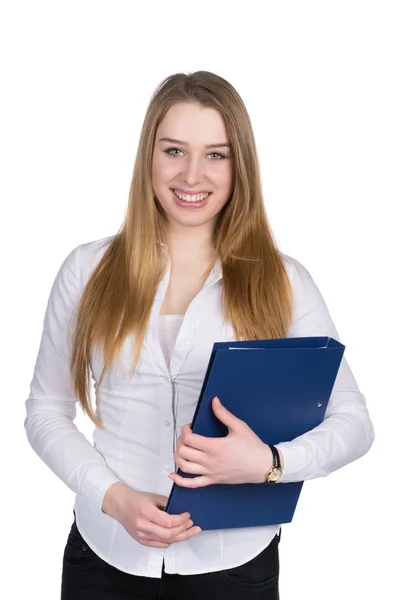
[(168, 423)]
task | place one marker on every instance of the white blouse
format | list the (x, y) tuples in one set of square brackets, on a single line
[(137, 443), (168, 329)]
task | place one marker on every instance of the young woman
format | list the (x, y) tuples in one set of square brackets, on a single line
[(193, 263)]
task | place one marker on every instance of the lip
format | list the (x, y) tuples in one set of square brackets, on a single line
[(191, 192), (197, 205)]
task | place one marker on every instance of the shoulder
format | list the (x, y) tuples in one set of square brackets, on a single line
[(310, 314), (297, 273), (74, 272), (84, 258), (304, 288)]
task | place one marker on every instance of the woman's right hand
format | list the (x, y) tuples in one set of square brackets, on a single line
[(143, 517)]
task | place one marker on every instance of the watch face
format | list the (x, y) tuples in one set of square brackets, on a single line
[(275, 474)]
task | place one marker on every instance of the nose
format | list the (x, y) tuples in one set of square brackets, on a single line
[(192, 174)]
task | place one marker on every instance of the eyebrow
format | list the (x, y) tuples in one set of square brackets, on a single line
[(167, 139)]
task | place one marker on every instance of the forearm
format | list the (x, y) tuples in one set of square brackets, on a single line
[(51, 406), (68, 453), (340, 439), (346, 433)]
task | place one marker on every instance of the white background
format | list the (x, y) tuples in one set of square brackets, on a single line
[(321, 83)]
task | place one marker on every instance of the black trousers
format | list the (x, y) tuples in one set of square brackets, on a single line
[(85, 576)]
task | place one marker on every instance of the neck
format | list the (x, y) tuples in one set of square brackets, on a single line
[(190, 244)]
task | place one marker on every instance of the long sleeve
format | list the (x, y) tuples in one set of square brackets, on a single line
[(346, 433), (51, 406)]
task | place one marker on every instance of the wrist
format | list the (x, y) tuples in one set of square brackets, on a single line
[(113, 499), (281, 458), (266, 463)]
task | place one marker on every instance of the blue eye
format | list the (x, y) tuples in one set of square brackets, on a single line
[(168, 150)]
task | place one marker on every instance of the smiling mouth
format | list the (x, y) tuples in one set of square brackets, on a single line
[(198, 197)]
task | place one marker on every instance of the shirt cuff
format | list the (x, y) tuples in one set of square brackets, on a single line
[(294, 457), (95, 484)]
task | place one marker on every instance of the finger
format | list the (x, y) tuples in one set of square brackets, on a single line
[(199, 442), (165, 534), (192, 531), (160, 517), (187, 466), (192, 482), (189, 453), (154, 544)]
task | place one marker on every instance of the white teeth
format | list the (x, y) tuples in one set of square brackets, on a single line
[(191, 198)]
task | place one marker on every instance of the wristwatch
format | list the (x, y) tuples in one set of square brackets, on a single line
[(275, 471)]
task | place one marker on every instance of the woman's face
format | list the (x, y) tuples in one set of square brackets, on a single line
[(196, 158)]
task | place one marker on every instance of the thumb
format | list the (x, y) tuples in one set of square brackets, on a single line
[(223, 414), (160, 501)]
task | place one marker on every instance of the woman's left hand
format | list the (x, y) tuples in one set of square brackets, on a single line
[(240, 457)]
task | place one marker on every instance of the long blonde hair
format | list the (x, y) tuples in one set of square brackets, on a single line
[(119, 295)]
